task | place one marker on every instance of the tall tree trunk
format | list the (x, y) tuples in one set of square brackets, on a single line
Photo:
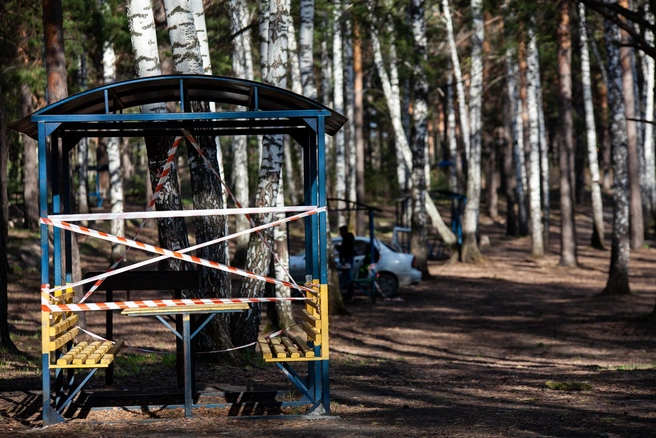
[(240, 176), (568, 256), (454, 184), (207, 192), (306, 58), (460, 86), (338, 105), (533, 79), (114, 156), (418, 240), (245, 326), (650, 157), (283, 309), (30, 181), (470, 251), (637, 229), (618, 272), (6, 344), (517, 124), (57, 89), (358, 126), (349, 94), (597, 206), (508, 179), (172, 232)]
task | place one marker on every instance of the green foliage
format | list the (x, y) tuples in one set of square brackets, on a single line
[(568, 386)]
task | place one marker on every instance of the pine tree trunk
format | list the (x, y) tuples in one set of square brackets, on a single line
[(618, 272), (6, 344), (635, 200), (597, 206), (358, 126), (454, 184), (418, 235), (568, 256), (30, 181), (349, 95), (650, 158), (532, 79), (57, 89), (470, 252)]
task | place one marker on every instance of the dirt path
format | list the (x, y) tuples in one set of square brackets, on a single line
[(466, 354)]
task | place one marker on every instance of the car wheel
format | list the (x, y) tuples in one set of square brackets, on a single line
[(388, 284)]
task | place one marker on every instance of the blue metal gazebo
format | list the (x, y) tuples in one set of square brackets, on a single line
[(112, 111)]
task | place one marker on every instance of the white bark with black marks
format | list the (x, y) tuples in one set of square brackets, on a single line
[(532, 79)]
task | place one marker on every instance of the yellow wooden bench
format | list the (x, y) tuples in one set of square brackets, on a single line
[(59, 334), (294, 348)]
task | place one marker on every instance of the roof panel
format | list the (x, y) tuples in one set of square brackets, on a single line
[(156, 89)]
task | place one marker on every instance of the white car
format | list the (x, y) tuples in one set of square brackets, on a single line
[(393, 269)]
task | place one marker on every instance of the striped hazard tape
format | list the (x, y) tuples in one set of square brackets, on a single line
[(160, 184), (172, 254), (144, 304), (99, 278)]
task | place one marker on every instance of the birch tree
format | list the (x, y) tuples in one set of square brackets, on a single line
[(30, 181), (241, 61), (591, 135), (418, 240), (207, 192), (454, 185), (618, 272), (245, 326), (532, 79), (470, 251), (306, 59), (460, 87), (113, 154), (338, 105)]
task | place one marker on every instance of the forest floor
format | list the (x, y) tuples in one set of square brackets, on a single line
[(513, 346)]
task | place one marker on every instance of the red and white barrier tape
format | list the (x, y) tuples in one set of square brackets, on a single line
[(146, 304), (173, 254), (177, 213), (162, 180), (101, 277), (192, 140)]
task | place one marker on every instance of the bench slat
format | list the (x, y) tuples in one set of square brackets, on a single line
[(302, 345), (291, 348), (277, 348), (264, 348), (63, 325), (311, 319)]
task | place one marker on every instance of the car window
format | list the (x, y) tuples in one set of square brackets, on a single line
[(361, 247)]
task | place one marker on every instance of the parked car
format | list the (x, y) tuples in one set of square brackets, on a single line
[(393, 269)]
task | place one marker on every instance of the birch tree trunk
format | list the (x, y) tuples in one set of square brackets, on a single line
[(207, 192), (460, 86), (338, 105), (597, 206), (306, 44), (245, 326), (454, 185), (114, 155), (470, 252), (297, 87), (350, 102), (172, 232), (544, 168), (358, 126), (568, 256), (394, 106), (618, 272), (240, 176), (532, 79), (418, 235)]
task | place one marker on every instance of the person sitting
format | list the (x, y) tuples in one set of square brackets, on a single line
[(346, 255)]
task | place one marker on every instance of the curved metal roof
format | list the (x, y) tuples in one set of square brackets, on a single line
[(118, 96)]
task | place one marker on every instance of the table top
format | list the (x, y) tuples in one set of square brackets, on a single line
[(190, 309)]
